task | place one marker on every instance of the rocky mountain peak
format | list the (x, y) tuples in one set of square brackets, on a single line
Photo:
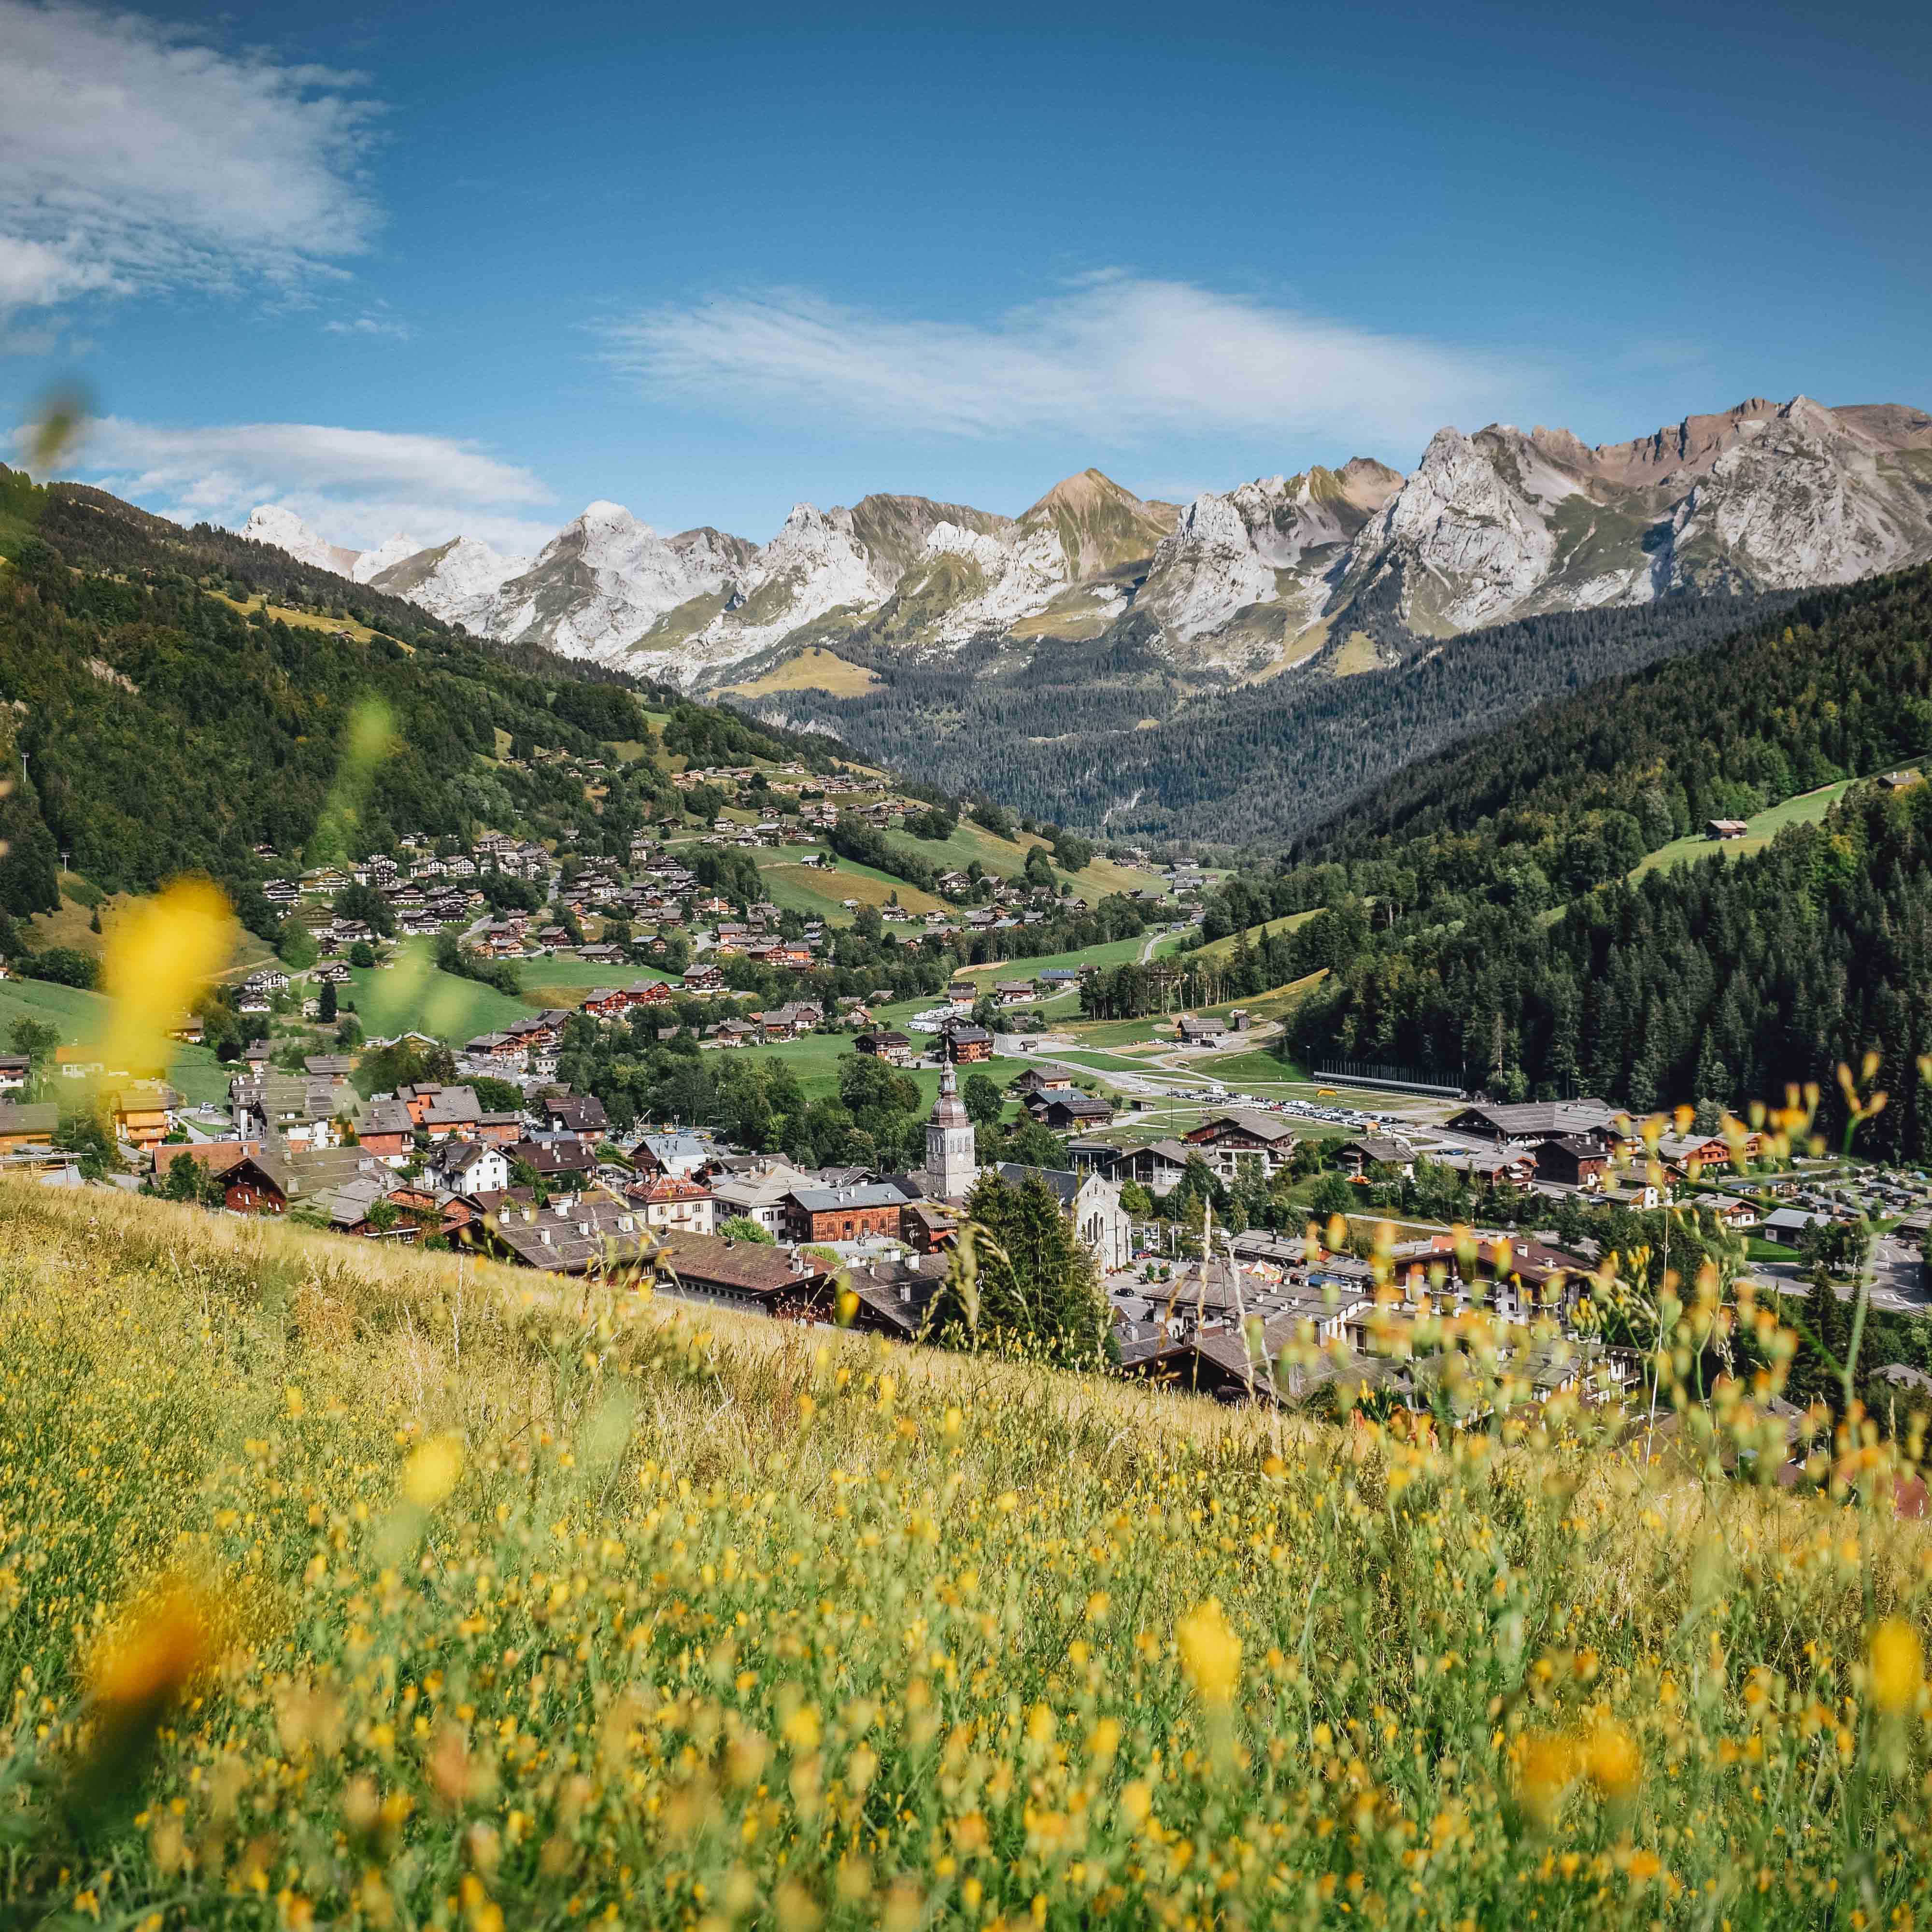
[(392, 550), (1100, 526), (270, 524), (1498, 524)]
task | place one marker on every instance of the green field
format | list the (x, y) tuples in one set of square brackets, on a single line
[(375, 1579), (1150, 1029), (1254, 1067), (1158, 1028), (562, 982), (795, 887), (1008, 858), (1807, 808), (1223, 949), (1114, 953), (413, 996), (81, 1017), (815, 1061), (1107, 1063)]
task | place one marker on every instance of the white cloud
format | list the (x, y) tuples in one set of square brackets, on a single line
[(355, 486), (370, 325), (34, 274), (134, 156), (1114, 358)]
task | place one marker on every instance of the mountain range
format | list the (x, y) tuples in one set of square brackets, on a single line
[(1282, 571)]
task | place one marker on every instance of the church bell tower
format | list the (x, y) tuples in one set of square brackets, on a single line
[(950, 1159)]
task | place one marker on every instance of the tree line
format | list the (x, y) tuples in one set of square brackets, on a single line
[(1479, 922)]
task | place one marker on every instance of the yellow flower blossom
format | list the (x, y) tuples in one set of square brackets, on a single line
[(1211, 1652), (1611, 1761), (160, 956), (1897, 1667), (433, 1471)]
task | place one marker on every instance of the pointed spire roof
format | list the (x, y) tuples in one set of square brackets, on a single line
[(948, 1110)]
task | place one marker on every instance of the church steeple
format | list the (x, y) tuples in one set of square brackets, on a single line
[(950, 1159)]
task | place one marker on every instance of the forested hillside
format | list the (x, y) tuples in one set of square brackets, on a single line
[(161, 720), (1480, 922), (1111, 734)]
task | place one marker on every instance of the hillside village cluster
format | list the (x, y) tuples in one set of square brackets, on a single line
[(548, 1183)]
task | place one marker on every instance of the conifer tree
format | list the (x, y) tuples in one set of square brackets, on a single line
[(1026, 1281)]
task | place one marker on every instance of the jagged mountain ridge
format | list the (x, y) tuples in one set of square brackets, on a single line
[(1488, 528), (1765, 496)]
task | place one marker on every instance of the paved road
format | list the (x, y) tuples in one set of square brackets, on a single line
[(1898, 1286)]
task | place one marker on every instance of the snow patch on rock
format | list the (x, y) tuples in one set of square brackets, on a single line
[(599, 585), (458, 581), (391, 551), (270, 524)]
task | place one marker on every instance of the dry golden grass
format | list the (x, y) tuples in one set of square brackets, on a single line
[(815, 669), (305, 620), (1358, 654)]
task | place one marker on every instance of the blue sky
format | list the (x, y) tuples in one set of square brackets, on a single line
[(441, 269)]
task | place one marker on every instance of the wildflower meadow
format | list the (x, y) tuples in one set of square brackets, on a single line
[(356, 1587)]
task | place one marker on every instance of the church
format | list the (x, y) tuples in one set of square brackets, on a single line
[(952, 1164), (952, 1170)]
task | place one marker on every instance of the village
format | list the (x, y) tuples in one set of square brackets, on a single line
[(1226, 1199)]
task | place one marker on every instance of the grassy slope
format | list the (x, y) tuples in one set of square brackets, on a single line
[(971, 1595), (796, 887), (82, 1018), (1008, 858), (302, 620), (1220, 949), (1807, 808), (1113, 952), (1156, 1031), (413, 996), (812, 670), (72, 926), (563, 982)]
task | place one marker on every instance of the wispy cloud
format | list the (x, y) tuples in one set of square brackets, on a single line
[(1114, 358), (134, 156), (370, 325), (355, 486), (27, 341)]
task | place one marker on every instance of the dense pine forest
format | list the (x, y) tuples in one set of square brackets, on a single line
[(159, 721), (1053, 735), (1480, 922)]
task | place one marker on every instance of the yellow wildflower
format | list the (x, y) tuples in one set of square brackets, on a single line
[(1211, 1652), (1548, 1769), (159, 957), (1612, 1762), (1898, 1666), (434, 1471)]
